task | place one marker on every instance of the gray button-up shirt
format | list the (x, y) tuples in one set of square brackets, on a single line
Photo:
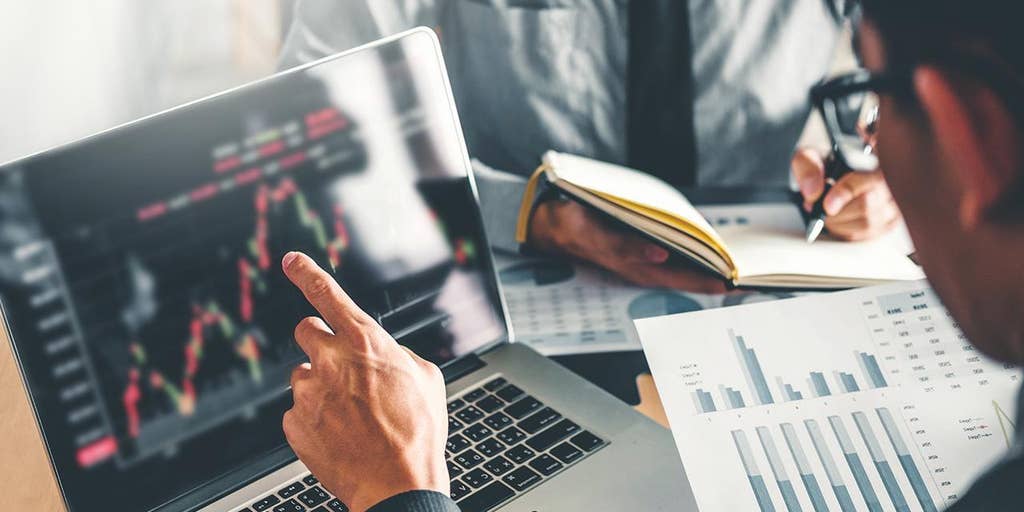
[(533, 75)]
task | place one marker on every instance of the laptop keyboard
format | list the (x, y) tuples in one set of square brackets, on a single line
[(303, 495), (502, 442)]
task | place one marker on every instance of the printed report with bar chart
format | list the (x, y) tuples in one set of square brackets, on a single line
[(870, 399)]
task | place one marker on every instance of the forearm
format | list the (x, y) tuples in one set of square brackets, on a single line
[(416, 501)]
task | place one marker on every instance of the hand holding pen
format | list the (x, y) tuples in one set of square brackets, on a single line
[(852, 205)]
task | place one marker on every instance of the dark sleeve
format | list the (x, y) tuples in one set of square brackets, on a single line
[(416, 501)]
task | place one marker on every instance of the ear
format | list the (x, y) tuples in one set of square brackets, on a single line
[(976, 134)]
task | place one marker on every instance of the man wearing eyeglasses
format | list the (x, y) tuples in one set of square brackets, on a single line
[(706, 93), (950, 78)]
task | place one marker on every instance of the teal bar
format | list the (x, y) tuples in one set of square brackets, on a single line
[(835, 479), (803, 466), (814, 491), (706, 402), (861, 476), (845, 501), (757, 374), (850, 382), (789, 496), (737, 398), (764, 500), (881, 464), (917, 483), (819, 384), (874, 371), (856, 467), (891, 487), (906, 460)]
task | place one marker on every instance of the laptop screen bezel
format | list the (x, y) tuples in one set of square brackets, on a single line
[(214, 488)]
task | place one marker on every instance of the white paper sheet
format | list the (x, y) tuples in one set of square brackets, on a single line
[(858, 400)]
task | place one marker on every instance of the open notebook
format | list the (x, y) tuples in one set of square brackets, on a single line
[(745, 255)]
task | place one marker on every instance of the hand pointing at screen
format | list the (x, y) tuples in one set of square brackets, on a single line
[(369, 417)]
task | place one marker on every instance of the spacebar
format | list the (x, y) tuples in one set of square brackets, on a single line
[(486, 498)]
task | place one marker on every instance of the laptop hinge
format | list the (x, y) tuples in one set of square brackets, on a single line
[(461, 367)]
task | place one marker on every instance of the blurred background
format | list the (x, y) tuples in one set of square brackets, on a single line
[(73, 68)]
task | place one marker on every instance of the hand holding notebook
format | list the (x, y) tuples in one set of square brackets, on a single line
[(741, 255)]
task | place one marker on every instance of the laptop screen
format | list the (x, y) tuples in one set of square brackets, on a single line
[(140, 269)]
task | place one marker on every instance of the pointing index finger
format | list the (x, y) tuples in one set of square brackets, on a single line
[(323, 292)]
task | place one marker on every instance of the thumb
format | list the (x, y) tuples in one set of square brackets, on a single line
[(809, 173)]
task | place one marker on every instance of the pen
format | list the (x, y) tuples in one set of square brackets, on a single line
[(835, 168)]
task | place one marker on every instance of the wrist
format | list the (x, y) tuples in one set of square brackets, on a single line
[(372, 491)]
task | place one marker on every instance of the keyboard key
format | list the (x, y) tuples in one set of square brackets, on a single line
[(566, 452), (511, 435), (468, 459), (549, 437), (536, 422), (469, 414), (477, 432), (290, 506), (313, 497), (292, 489), (310, 480), (474, 395), (337, 506), (509, 393), (486, 498), (497, 421), (586, 441), (454, 425), (321, 508), (495, 384), (456, 443), (477, 478), (499, 466), (455, 405), (459, 490), (519, 454), (523, 407), (546, 464), (453, 470), (490, 447), (490, 403), (266, 503), (521, 478)]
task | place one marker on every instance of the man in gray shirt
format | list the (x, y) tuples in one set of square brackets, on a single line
[(699, 93)]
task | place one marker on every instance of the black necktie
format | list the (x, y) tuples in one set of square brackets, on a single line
[(659, 91)]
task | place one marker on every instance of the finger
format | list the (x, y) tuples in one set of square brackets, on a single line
[(869, 205), (860, 228), (324, 293), (848, 187), (809, 173), (312, 334)]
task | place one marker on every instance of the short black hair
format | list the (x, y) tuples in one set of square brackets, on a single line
[(928, 31), (924, 30)]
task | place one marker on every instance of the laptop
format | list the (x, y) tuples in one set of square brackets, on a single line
[(142, 292)]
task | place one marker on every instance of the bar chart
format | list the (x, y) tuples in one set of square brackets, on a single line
[(874, 480), (759, 392), (863, 400)]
